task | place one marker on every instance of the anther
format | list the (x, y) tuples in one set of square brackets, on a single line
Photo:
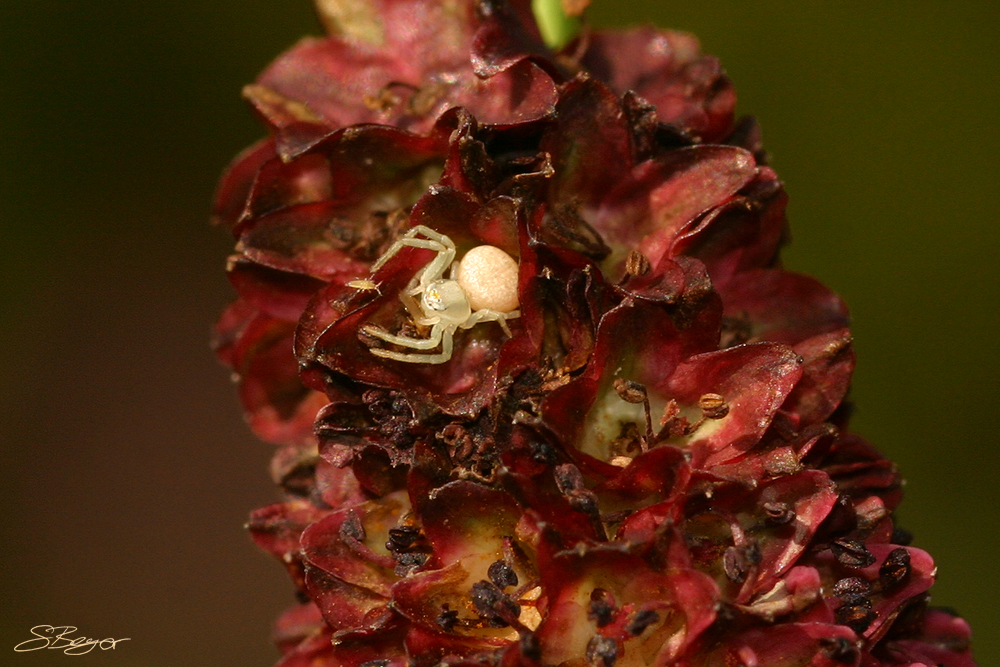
[(602, 607), (502, 574), (735, 565), (407, 563), (568, 478), (531, 648), (895, 570), (713, 406), (852, 554), (901, 536), (493, 606), (402, 538), (602, 651), (856, 616), (447, 618), (852, 589), (637, 264), (630, 391), (634, 392), (778, 513)]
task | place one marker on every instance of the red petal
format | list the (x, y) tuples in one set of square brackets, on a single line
[(309, 239), (742, 234), (350, 544), (344, 606), (753, 379), (665, 67), (828, 363), (684, 601), (279, 408), (781, 645), (234, 187), (660, 198), (277, 529), (944, 641), (297, 624), (783, 307), (590, 143), (280, 294)]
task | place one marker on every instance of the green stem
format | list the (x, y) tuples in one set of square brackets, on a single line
[(557, 28)]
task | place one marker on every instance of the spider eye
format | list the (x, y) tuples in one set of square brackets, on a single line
[(432, 297)]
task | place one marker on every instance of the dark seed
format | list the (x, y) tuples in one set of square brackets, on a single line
[(852, 589), (406, 563), (602, 607), (382, 662), (402, 538), (778, 514), (852, 554), (502, 574), (839, 650), (641, 621), (447, 618), (485, 595), (856, 616), (602, 651), (493, 605), (895, 570)]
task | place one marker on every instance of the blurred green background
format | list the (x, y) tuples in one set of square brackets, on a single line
[(128, 472)]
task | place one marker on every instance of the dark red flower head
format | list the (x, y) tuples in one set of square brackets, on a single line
[(542, 393)]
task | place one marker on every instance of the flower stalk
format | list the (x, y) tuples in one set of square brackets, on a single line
[(557, 26)]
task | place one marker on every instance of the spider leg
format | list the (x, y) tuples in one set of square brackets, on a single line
[(404, 341), (445, 334), (402, 243), (487, 315), (431, 234), (416, 313), (436, 267)]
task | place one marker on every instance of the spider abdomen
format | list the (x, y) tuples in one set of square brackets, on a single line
[(489, 277)]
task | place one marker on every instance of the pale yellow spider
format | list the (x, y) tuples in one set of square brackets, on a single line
[(482, 287)]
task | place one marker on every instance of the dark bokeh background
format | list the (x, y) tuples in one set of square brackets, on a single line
[(128, 471)]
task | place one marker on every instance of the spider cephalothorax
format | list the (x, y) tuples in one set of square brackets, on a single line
[(482, 287)]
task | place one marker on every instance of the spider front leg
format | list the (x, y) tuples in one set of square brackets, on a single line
[(440, 333), (433, 240), (417, 314), (428, 343)]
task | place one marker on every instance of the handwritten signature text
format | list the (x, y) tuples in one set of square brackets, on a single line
[(48, 636)]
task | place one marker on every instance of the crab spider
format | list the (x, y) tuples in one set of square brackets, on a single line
[(482, 287)]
